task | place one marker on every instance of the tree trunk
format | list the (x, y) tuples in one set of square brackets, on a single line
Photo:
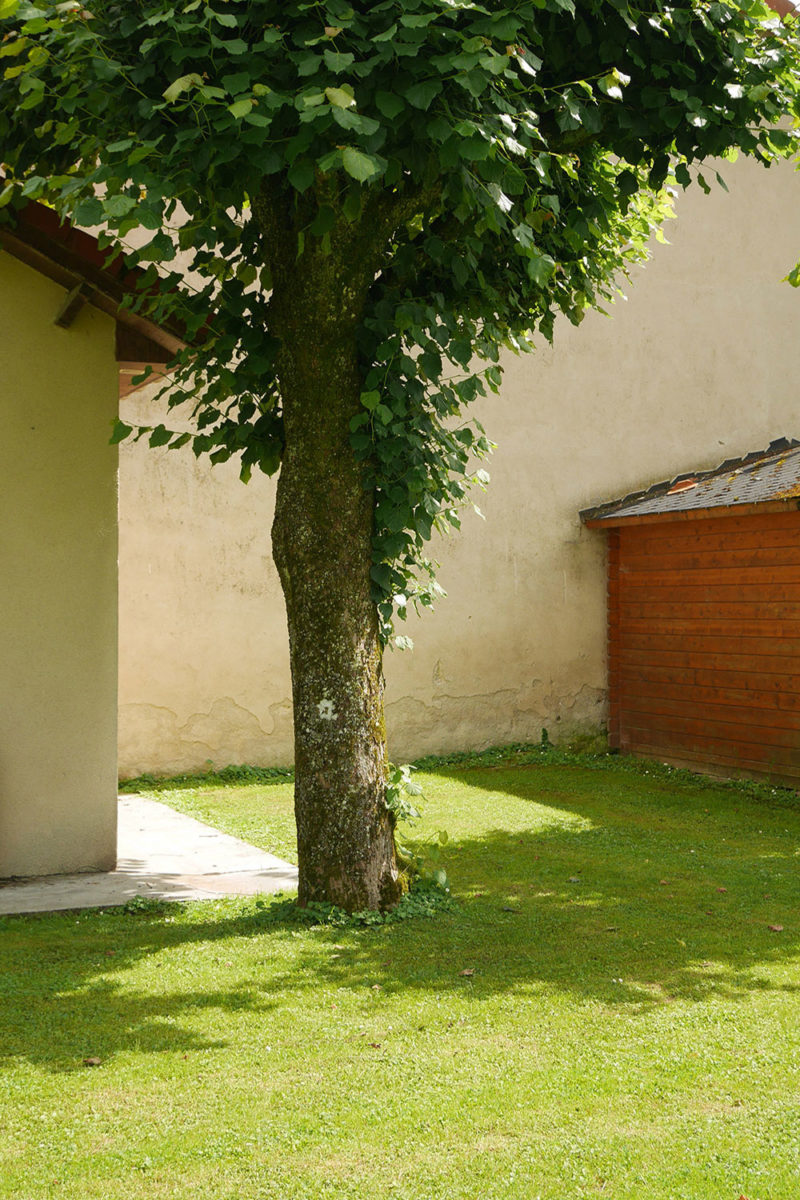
[(321, 540)]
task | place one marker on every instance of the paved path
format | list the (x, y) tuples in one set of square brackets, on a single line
[(163, 855)]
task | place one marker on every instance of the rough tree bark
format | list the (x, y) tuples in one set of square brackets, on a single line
[(321, 540)]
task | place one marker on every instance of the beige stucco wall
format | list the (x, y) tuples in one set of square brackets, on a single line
[(58, 613), (695, 367)]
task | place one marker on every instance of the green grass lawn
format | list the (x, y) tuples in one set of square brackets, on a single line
[(630, 1028)]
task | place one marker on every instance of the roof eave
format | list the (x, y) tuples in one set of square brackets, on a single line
[(69, 257), (612, 521)]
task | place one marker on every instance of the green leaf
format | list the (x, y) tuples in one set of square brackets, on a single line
[(240, 108), (682, 175), (88, 212), (389, 104), (301, 174), (610, 85), (160, 249), (341, 97), (337, 62), (627, 183), (184, 84), (227, 19), (120, 432), (352, 205), (422, 95), (119, 206), (160, 436), (359, 165), (247, 273), (238, 82), (8, 8), (540, 269)]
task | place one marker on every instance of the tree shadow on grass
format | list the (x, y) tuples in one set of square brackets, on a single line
[(633, 897), (627, 889), (66, 992)]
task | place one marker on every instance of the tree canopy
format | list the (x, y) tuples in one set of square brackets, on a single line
[(505, 160)]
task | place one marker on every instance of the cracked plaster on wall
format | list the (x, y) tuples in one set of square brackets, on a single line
[(157, 740), (154, 739)]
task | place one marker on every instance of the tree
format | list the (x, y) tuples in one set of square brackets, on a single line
[(374, 198)]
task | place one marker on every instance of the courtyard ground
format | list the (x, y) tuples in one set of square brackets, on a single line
[(610, 1009)]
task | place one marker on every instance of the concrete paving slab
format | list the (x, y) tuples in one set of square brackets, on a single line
[(162, 855)]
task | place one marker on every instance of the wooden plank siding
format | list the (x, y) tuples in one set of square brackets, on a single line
[(704, 643)]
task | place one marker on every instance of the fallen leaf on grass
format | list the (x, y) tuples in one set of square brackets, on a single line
[(722, 889), (376, 987), (374, 1045), (776, 928), (92, 1062), (467, 971), (663, 882)]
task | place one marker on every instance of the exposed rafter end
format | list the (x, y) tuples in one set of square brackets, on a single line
[(73, 302)]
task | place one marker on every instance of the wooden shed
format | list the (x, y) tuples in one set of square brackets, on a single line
[(704, 618)]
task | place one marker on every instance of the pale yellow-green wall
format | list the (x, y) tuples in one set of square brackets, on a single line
[(58, 601), (696, 366)]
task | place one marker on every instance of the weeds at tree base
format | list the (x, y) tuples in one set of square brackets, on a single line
[(424, 900), (142, 905)]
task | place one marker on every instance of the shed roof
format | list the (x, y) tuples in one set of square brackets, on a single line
[(764, 477)]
